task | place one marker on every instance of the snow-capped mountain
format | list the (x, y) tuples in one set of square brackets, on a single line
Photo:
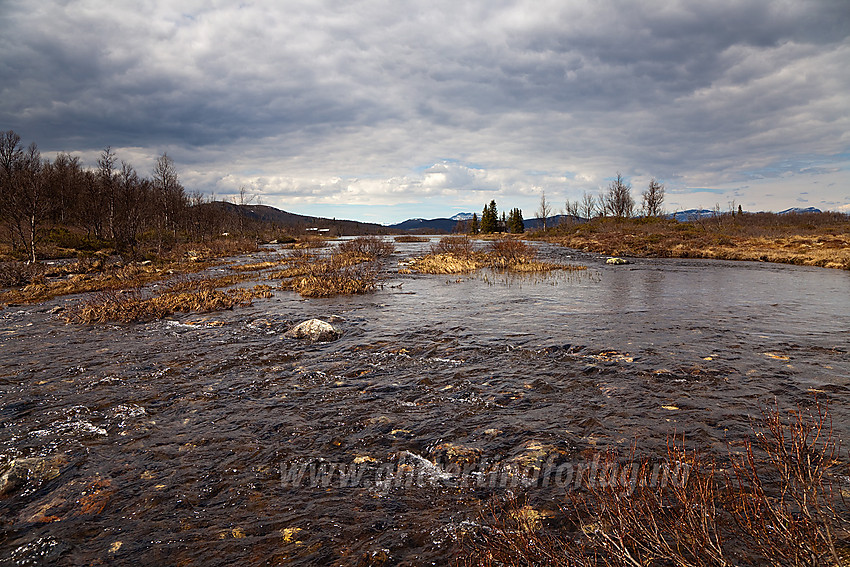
[(798, 211)]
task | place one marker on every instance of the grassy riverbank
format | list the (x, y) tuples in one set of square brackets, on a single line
[(815, 239)]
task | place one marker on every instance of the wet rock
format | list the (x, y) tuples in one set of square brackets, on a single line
[(617, 261), (19, 472), (314, 330)]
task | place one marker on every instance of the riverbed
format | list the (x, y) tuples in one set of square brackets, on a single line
[(213, 439)]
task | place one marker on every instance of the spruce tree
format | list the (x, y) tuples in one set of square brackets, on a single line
[(515, 222), (489, 219), (473, 225)]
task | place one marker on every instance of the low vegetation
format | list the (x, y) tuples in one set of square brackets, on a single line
[(812, 239), (777, 500), (458, 255), (201, 295), (411, 238), (35, 283), (352, 268)]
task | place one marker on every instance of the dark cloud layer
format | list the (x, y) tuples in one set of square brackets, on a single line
[(331, 101)]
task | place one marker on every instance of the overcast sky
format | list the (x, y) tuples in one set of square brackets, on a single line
[(385, 110)]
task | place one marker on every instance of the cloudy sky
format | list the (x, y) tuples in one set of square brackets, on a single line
[(382, 110)]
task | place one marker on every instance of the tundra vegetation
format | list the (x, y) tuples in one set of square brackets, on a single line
[(811, 239), (778, 498), (608, 224)]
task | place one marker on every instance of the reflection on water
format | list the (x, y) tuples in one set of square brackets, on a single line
[(171, 442)]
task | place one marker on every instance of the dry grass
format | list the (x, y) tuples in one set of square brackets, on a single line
[(352, 268), (777, 501), (185, 296), (446, 264), (457, 255), (258, 266), (808, 239), (131, 276), (327, 279), (411, 238)]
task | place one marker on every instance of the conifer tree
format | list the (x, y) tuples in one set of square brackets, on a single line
[(489, 219), (515, 222)]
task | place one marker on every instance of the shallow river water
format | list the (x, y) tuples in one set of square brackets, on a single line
[(212, 439)]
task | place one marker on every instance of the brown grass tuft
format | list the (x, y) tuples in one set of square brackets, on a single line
[(351, 269), (411, 238), (185, 296), (446, 264), (456, 255)]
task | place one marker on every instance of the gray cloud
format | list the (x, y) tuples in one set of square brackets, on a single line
[(391, 103)]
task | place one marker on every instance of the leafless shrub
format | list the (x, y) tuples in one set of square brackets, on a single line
[(508, 250), (777, 503), (457, 246), (366, 246), (14, 274)]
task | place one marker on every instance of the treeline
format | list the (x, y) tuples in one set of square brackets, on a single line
[(110, 205), (614, 201), (617, 201)]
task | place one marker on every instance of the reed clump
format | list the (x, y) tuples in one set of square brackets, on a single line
[(411, 238), (458, 255), (329, 278), (136, 305), (778, 499), (352, 268)]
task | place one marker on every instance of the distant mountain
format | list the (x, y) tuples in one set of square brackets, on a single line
[(267, 214), (799, 211), (434, 226), (535, 224), (424, 226), (691, 214), (462, 216)]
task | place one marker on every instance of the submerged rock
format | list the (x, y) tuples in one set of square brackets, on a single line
[(314, 330), (34, 470), (617, 261)]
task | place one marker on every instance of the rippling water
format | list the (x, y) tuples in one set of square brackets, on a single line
[(171, 442)]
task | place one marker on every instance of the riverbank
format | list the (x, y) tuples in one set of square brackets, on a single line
[(821, 239)]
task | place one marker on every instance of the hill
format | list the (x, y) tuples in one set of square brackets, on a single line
[(300, 223)]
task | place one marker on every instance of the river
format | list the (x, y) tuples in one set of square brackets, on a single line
[(212, 439)]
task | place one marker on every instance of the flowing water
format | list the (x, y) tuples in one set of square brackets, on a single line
[(213, 439)]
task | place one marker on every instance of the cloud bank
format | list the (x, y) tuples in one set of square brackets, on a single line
[(388, 109)]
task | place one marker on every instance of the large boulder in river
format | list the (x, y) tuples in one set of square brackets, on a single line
[(314, 330), (617, 261)]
